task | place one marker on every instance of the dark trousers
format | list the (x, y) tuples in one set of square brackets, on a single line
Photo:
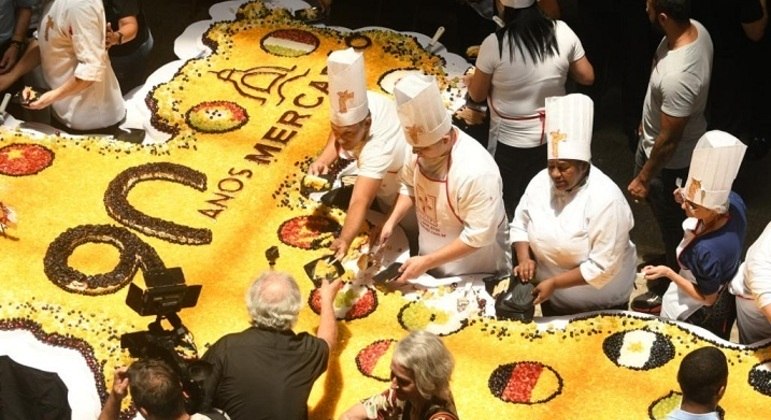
[(667, 212), (518, 167)]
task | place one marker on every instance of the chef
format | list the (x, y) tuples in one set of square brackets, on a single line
[(453, 185), (364, 127), (570, 231), (710, 251), (752, 287)]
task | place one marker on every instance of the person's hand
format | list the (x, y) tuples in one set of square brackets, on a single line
[(638, 189), (652, 272), (412, 268), (120, 383), (470, 116), (340, 247), (525, 271), (318, 168), (9, 59), (44, 101), (385, 234), (543, 291), (112, 37), (328, 290)]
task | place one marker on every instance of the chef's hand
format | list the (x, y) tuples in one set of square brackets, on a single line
[(652, 272), (44, 101), (385, 234), (318, 168), (525, 270), (412, 268), (340, 247), (543, 291)]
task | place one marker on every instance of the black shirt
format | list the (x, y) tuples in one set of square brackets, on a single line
[(264, 374), (114, 10)]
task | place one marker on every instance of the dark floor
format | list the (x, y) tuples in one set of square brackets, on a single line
[(169, 18)]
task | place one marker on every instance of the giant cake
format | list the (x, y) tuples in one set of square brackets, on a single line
[(225, 190)]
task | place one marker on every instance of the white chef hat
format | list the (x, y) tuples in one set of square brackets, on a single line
[(421, 110), (347, 87), (715, 163), (517, 4), (568, 127)]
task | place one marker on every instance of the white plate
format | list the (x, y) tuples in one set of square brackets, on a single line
[(190, 43), (225, 10)]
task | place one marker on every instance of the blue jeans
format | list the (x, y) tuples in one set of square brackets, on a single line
[(667, 212)]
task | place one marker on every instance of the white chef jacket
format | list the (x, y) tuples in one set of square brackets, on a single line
[(385, 151), (586, 228), (752, 287), (72, 39), (467, 203)]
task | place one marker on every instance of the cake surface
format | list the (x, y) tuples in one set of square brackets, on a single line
[(245, 123)]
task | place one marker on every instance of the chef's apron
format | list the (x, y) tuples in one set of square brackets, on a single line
[(513, 125), (440, 225), (676, 303)]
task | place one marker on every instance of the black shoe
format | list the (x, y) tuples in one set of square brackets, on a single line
[(648, 302)]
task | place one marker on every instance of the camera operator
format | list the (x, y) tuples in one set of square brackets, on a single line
[(155, 389), (267, 371)]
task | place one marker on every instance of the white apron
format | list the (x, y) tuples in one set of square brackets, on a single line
[(439, 225), (676, 303), (563, 244)]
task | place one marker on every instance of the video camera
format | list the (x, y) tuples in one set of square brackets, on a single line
[(165, 295)]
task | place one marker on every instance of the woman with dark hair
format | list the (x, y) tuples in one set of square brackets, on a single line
[(518, 67)]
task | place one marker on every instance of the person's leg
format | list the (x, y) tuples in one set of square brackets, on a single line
[(518, 167)]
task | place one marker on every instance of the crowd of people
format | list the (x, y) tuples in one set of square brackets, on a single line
[(567, 226), (80, 57), (525, 202)]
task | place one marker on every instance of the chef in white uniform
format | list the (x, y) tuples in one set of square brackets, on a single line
[(752, 287), (364, 127), (455, 188), (574, 221)]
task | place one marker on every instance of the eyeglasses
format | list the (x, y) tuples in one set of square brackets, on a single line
[(692, 206)]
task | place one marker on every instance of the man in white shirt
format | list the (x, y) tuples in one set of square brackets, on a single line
[(455, 188), (365, 127), (85, 95), (672, 122)]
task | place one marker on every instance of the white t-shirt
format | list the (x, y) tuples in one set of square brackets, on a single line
[(72, 39), (520, 86), (678, 86)]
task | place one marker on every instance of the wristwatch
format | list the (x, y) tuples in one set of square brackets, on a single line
[(476, 106)]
